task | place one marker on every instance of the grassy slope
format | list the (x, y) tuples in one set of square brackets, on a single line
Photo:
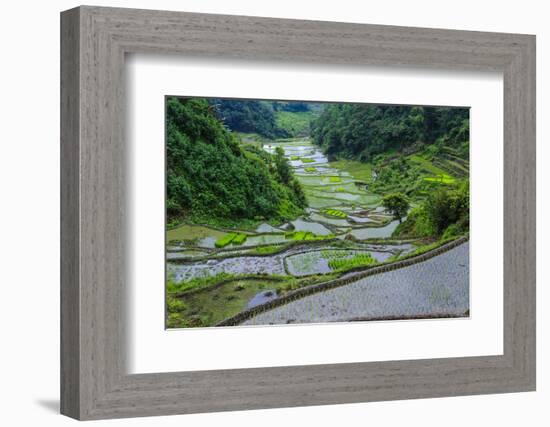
[(426, 164), (296, 123), (358, 170)]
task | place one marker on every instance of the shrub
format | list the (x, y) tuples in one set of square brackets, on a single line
[(444, 208), (174, 304), (397, 204), (417, 224), (452, 230)]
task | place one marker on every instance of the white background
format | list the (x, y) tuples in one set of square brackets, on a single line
[(153, 349), (29, 177)]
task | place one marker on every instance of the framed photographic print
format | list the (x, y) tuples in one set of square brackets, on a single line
[(272, 205), (261, 213)]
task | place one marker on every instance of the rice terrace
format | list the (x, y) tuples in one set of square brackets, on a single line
[(281, 212)]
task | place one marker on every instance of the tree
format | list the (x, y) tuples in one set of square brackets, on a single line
[(283, 168), (447, 207), (397, 204)]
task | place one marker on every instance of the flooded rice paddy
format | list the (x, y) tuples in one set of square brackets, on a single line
[(340, 209), (436, 287)]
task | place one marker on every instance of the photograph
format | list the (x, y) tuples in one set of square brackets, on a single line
[(293, 212)]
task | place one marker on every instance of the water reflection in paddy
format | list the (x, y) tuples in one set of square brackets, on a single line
[(262, 298), (203, 236), (360, 219), (266, 228), (239, 265), (333, 221), (264, 239), (375, 232), (314, 227), (324, 187)]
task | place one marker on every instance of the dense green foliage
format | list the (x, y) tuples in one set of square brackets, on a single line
[(210, 177), (445, 213), (360, 131), (397, 204), (249, 116), (269, 119), (294, 106), (419, 174), (295, 123)]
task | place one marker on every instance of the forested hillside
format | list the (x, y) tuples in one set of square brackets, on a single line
[(269, 119), (249, 116), (417, 155), (210, 178), (361, 131)]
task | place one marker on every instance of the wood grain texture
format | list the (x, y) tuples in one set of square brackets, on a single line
[(94, 270), (70, 297)]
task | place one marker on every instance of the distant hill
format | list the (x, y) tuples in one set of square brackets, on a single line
[(361, 131), (249, 116), (269, 119)]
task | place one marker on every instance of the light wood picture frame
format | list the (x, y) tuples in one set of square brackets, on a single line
[(94, 379)]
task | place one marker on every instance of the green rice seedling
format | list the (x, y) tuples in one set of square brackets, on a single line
[(294, 158), (334, 179), (310, 169), (300, 235), (239, 239), (330, 254), (225, 240), (336, 213), (358, 260), (307, 160)]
